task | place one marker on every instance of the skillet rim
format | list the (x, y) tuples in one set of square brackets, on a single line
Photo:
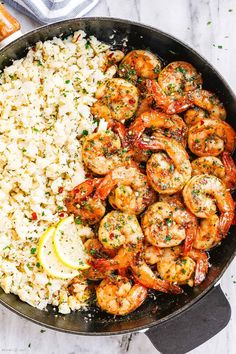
[(204, 292)]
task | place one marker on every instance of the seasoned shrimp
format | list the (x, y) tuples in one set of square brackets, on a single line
[(195, 114), (116, 99), (209, 102), (102, 152), (168, 170), (203, 193), (211, 137), (151, 254), (145, 276), (119, 297), (172, 126), (95, 249), (119, 229), (173, 266), (139, 64), (208, 234), (83, 205), (178, 77), (128, 189), (167, 225), (170, 104), (211, 165)]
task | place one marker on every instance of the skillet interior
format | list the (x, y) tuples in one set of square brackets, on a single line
[(169, 49)]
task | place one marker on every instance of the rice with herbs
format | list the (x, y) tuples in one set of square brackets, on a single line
[(45, 101)]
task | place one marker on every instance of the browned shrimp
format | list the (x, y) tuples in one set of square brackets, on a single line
[(191, 269), (118, 296), (209, 102), (178, 77), (168, 224), (128, 189), (138, 65), (102, 152), (171, 126), (195, 114), (207, 235), (83, 205), (116, 99), (167, 170), (203, 193), (211, 137), (169, 104), (145, 276), (174, 83), (211, 165)]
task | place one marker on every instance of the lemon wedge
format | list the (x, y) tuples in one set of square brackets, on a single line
[(68, 244), (49, 260)]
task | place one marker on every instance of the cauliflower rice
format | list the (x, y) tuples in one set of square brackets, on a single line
[(45, 101)]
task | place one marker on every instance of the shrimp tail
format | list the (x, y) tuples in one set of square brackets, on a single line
[(230, 170), (225, 222), (201, 270), (105, 187), (188, 242)]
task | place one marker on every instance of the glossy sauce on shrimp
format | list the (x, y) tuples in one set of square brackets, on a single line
[(163, 197)]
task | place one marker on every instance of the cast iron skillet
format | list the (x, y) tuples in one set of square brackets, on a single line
[(174, 324)]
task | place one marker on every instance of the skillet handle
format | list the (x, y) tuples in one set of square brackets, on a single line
[(194, 326), (8, 24)]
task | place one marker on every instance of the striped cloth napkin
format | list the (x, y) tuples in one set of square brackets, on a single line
[(47, 11)]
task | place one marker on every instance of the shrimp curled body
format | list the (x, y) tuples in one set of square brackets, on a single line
[(119, 297), (203, 193), (167, 170)]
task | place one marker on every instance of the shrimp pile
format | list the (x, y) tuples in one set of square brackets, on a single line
[(158, 196)]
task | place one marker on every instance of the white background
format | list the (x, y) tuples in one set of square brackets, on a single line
[(186, 20)]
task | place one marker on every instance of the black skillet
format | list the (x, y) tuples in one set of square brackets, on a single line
[(174, 324)]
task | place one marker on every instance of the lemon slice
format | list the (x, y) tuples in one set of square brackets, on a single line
[(49, 260), (68, 244)]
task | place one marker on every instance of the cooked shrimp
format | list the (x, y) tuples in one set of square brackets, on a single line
[(167, 171), (102, 152), (139, 64), (195, 114), (145, 104), (178, 77), (152, 254), (119, 297), (209, 165), (172, 126), (209, 102), (145, 276), (208, 234), (83, 205), (203, 193), (212, 165), (174, 267), (211, 137), (119, 229), (95, 249), (128, 188), (116, 99), (169, 104), (167, 225), (230, 170)]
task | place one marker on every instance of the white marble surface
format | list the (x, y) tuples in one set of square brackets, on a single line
[(204, 25)]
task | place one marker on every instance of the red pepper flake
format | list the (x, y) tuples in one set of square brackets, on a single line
[(131, 101), (112, 236), (34, 216), (78, 37), (61, 215), (60, 189)]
